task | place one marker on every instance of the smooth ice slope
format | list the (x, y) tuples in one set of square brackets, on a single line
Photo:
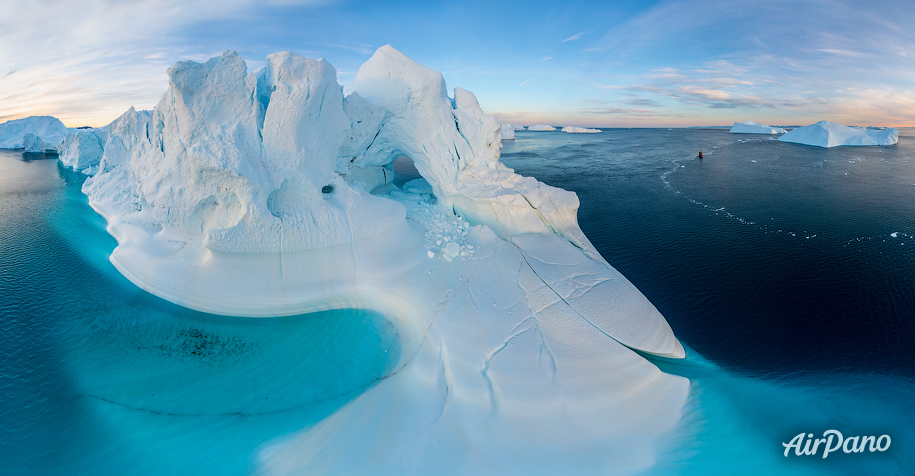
[(541, 128), (579, 130), (248, 194), (750, 127), (830, 134), (34, 134), (508, 132)]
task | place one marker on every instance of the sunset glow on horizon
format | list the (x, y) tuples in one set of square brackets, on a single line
[(628, 64)]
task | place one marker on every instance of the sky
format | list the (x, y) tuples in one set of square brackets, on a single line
[(597, 64)]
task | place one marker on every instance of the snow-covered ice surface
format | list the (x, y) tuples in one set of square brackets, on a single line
[(750, 127), (830, 134), (34, 134), (247, 194), (579, 130), (508, 132), (541, 128)]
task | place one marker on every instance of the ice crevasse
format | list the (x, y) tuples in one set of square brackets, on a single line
[(269, 193)]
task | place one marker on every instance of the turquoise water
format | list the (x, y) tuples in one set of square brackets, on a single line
[(98, 377), (780, 275)]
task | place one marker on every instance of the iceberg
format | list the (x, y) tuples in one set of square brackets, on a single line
[(831, 134), (517, 127), (269, 193), (82, 149), (34, 134), (541, 128), (508, 132), (579, 130), (750, 127)]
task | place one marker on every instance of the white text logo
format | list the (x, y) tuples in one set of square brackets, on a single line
[(805, 445)]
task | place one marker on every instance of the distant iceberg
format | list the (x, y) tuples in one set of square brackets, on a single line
[(34, 134), (830, 134), (268, 193), (579, 130), (508, 132), (750, 127), (517, 127), (541, 128)]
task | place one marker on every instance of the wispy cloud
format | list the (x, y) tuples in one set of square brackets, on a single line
[(547, 58), (573, 37)]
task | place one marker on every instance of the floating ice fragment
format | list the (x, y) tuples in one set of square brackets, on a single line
[(894, 234), (451, 251)]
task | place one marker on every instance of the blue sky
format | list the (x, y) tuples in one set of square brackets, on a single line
[(606, 64)]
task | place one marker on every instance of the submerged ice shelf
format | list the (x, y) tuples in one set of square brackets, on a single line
[(269, 193)]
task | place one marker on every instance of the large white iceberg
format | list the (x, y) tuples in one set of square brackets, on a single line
[(579, 130), (249, 194), (750, 127), (541, 128), (830, 134), (508, 132), (34, 134), (516, 127)]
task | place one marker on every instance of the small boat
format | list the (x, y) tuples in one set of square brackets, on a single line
[(700, 152)]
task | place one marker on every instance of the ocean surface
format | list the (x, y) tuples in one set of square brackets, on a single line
[(788, 272)]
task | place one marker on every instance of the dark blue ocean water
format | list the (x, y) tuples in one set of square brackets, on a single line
[(782, 276), (763, 256)]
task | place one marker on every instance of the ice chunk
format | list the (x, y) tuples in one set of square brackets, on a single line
[(579, 130), (830, 134), (541, 127), (83, 148), (750, 127), (35, 133), (451, 251), (508, 132)]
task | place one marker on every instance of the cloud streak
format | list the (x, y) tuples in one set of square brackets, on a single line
[(573, 37)]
